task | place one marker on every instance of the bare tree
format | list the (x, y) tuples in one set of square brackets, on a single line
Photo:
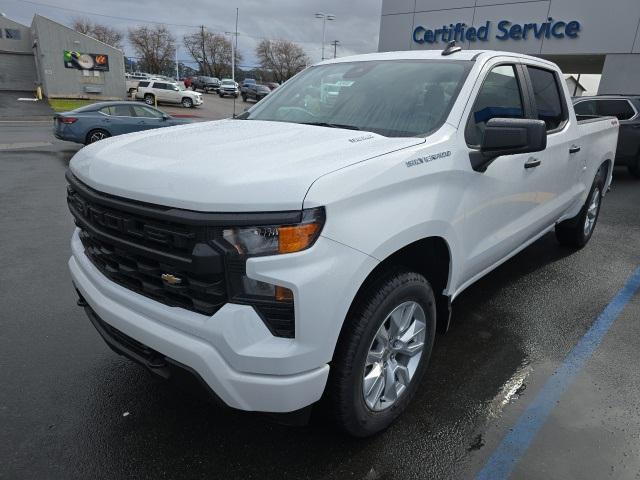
[(212, 51), (82, 25), (282, 57), (155, 48), (103, 33)]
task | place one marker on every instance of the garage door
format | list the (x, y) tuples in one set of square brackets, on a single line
[(17, 71)]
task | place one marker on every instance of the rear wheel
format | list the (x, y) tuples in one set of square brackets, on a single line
[(383, 353), (187, 102), (634, 168), (96, 135), (244, 98), (576, 232), (149, 99)]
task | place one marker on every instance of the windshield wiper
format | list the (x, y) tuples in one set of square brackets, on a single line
[(331, 125)]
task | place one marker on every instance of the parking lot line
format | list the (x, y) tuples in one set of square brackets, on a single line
[(515, 443), (15, 146)]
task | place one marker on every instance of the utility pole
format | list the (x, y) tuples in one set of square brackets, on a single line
[(234, 47), (335, 44), (204, 53), (178, 68)]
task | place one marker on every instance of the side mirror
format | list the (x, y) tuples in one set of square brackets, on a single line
[(510, 136), (165, 116)]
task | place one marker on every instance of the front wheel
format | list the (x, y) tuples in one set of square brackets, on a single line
[(577, 231), (382, 353), (149, 99), (187, 102)]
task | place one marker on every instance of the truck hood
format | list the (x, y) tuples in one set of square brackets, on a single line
[(227, 165)]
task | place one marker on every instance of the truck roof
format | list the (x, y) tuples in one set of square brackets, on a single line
[(432, 55)]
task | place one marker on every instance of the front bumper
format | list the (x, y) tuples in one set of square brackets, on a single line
[(233, 351)]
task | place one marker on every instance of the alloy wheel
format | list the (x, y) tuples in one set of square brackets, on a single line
[(592, 211), (394, 356)]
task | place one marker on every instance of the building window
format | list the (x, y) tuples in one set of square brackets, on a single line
[(12, 33)]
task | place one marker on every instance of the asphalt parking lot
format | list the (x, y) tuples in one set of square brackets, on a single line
[(71, 408)]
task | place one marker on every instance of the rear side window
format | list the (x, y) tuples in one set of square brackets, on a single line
[(499, 97), (143, 84), (586, 109), (160, 86), (621, 109), (546, 92)]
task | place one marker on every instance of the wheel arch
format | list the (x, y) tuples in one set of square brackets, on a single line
[(431, 257), (92, 130)]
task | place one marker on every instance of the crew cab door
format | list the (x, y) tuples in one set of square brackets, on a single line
[(501, 203), (557, 179)]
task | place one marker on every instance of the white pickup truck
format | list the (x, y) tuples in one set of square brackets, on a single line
[(312, 248)]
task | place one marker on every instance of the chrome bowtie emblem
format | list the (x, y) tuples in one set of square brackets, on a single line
[(171, 279)]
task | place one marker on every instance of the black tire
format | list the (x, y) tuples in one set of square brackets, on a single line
[(187, 102), (345, 385), (149, 99), (634, 168), (96, 135), (220, 95), (573, 232), (244, 98)]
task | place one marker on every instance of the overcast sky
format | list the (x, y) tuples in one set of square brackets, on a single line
[(356, 26)]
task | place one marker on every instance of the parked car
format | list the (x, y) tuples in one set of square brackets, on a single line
[(132, 81), (155, 91), (187, 81), (107, 119), (228, 87), (272, 85), (206, 84), (316, 248), (255, 92), (246, 83), (625, 108)]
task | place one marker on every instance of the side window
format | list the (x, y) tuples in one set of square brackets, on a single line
[(621, 109), (586, 109), (143, 84), (547, 97), (146, 112), (158, 85), (499, 97), (120, 111), (107, 110)]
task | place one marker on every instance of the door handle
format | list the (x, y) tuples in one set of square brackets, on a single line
[(574, 149), (532, 162)]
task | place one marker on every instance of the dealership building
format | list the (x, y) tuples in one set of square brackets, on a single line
[(63, 62), (581, 36)]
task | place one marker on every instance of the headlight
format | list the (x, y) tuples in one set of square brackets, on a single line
[(274, 303), (277, 239)]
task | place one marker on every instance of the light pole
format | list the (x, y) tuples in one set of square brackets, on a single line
[(324, 17)]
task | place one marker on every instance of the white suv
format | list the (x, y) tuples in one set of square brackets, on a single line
[(154, 91)]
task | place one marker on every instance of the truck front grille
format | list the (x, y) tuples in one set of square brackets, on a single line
[(169, 262)]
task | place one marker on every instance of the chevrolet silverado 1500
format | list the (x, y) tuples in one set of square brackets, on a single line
[(312, 247)]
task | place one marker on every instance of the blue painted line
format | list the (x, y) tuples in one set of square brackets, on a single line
[(515, 443)]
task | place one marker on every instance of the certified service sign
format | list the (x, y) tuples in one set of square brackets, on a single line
[(506, 30)]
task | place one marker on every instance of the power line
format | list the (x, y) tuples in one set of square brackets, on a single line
[(141, 20)]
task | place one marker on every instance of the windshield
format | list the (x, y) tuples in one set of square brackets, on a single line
[(228, 82), (395, 98)]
